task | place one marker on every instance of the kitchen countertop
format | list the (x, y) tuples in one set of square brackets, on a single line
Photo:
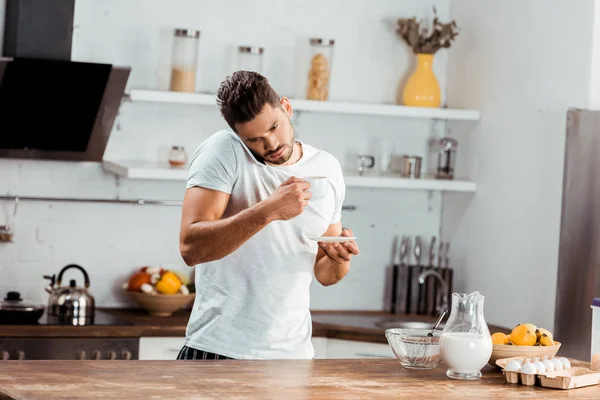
[(350, 325), (315, 379)]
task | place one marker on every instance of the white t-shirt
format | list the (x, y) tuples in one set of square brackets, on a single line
[(254, 303)]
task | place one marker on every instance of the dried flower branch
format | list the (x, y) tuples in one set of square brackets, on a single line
[(423, 40)]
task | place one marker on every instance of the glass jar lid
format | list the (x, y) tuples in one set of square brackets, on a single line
[(183, 32), (322, 41), (251, 49)]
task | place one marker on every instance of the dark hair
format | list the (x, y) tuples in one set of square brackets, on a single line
[(243, 95)]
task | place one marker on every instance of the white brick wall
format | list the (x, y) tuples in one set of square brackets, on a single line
[(110, 240)]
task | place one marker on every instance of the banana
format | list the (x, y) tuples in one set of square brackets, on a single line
[(546, 341), (539, 332)]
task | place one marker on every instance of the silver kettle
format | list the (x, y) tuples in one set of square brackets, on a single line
[(70, 305)]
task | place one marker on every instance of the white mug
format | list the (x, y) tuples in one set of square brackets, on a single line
[(318, 186)]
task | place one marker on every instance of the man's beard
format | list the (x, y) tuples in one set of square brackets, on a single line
[(284, 157)]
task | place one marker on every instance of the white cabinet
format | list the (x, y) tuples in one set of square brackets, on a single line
[(160, 348), (337, 348)]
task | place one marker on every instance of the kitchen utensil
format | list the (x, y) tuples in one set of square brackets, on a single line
[(364, 162), (405, 276), (440, 262), (415, 271), (437, 323), (394, 281), (411, 166), (161, 305), (70, 305), (15, 310), (394, 296), (446, 151), (429, 298), (402, 276), (332, 239), (414, 348), (447, 271), (466, 343)]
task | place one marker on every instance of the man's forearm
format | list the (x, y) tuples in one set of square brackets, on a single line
[(329, 272), (206, 241)]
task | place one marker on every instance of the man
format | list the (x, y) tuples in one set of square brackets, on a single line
[(246, 221)]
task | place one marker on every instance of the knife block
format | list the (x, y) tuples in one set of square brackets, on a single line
[(414, 298)]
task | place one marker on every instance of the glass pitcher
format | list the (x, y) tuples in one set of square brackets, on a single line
[(465, 342)]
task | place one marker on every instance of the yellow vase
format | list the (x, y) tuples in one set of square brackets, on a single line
[(422, 88)]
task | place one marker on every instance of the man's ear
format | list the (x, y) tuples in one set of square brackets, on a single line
[(287, 106)]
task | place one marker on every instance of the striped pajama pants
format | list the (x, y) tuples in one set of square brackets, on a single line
[(187, 353)]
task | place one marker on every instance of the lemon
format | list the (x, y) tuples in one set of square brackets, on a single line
[(500, 338), (523, 335)]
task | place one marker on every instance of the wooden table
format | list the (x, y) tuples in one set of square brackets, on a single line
[(227, 379)]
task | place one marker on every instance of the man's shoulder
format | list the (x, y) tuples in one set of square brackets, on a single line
[(222, 137), (323, 156), (222, 144), (221, 140)]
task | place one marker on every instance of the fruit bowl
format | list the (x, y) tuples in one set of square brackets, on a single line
[(161, 305), (507, 351), (159, 291), (525, 340)]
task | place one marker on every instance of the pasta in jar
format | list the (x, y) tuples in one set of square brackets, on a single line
[(319, 72)]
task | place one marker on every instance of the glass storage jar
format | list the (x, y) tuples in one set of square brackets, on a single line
[(250, 58), (319, 68), (184, 60), (177, 156)]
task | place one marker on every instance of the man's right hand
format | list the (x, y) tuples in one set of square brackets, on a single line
[(290, 198)]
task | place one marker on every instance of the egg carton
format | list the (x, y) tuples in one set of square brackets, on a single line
[(568, 378)]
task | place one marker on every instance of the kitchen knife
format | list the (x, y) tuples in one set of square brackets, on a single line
[(416, 288), (431, 282), (448, 269), (402, 278), (394, 291)]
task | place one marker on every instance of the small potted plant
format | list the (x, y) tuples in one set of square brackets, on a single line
[(422, 88)]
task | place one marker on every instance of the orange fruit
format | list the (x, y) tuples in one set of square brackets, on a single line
[(499, 338), (523, 335)]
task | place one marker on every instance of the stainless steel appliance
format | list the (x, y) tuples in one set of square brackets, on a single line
[(54, 345), (66, 348), (578, 281), (70, 305)]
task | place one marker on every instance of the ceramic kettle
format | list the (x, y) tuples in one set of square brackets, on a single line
[(70, 305)]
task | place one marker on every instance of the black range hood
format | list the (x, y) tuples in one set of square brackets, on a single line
[(58, 110), (51, 107)]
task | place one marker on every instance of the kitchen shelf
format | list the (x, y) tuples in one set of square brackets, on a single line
[(390, 110), (132, 169)]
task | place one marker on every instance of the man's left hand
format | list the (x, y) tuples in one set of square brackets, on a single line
[(341, 252)]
